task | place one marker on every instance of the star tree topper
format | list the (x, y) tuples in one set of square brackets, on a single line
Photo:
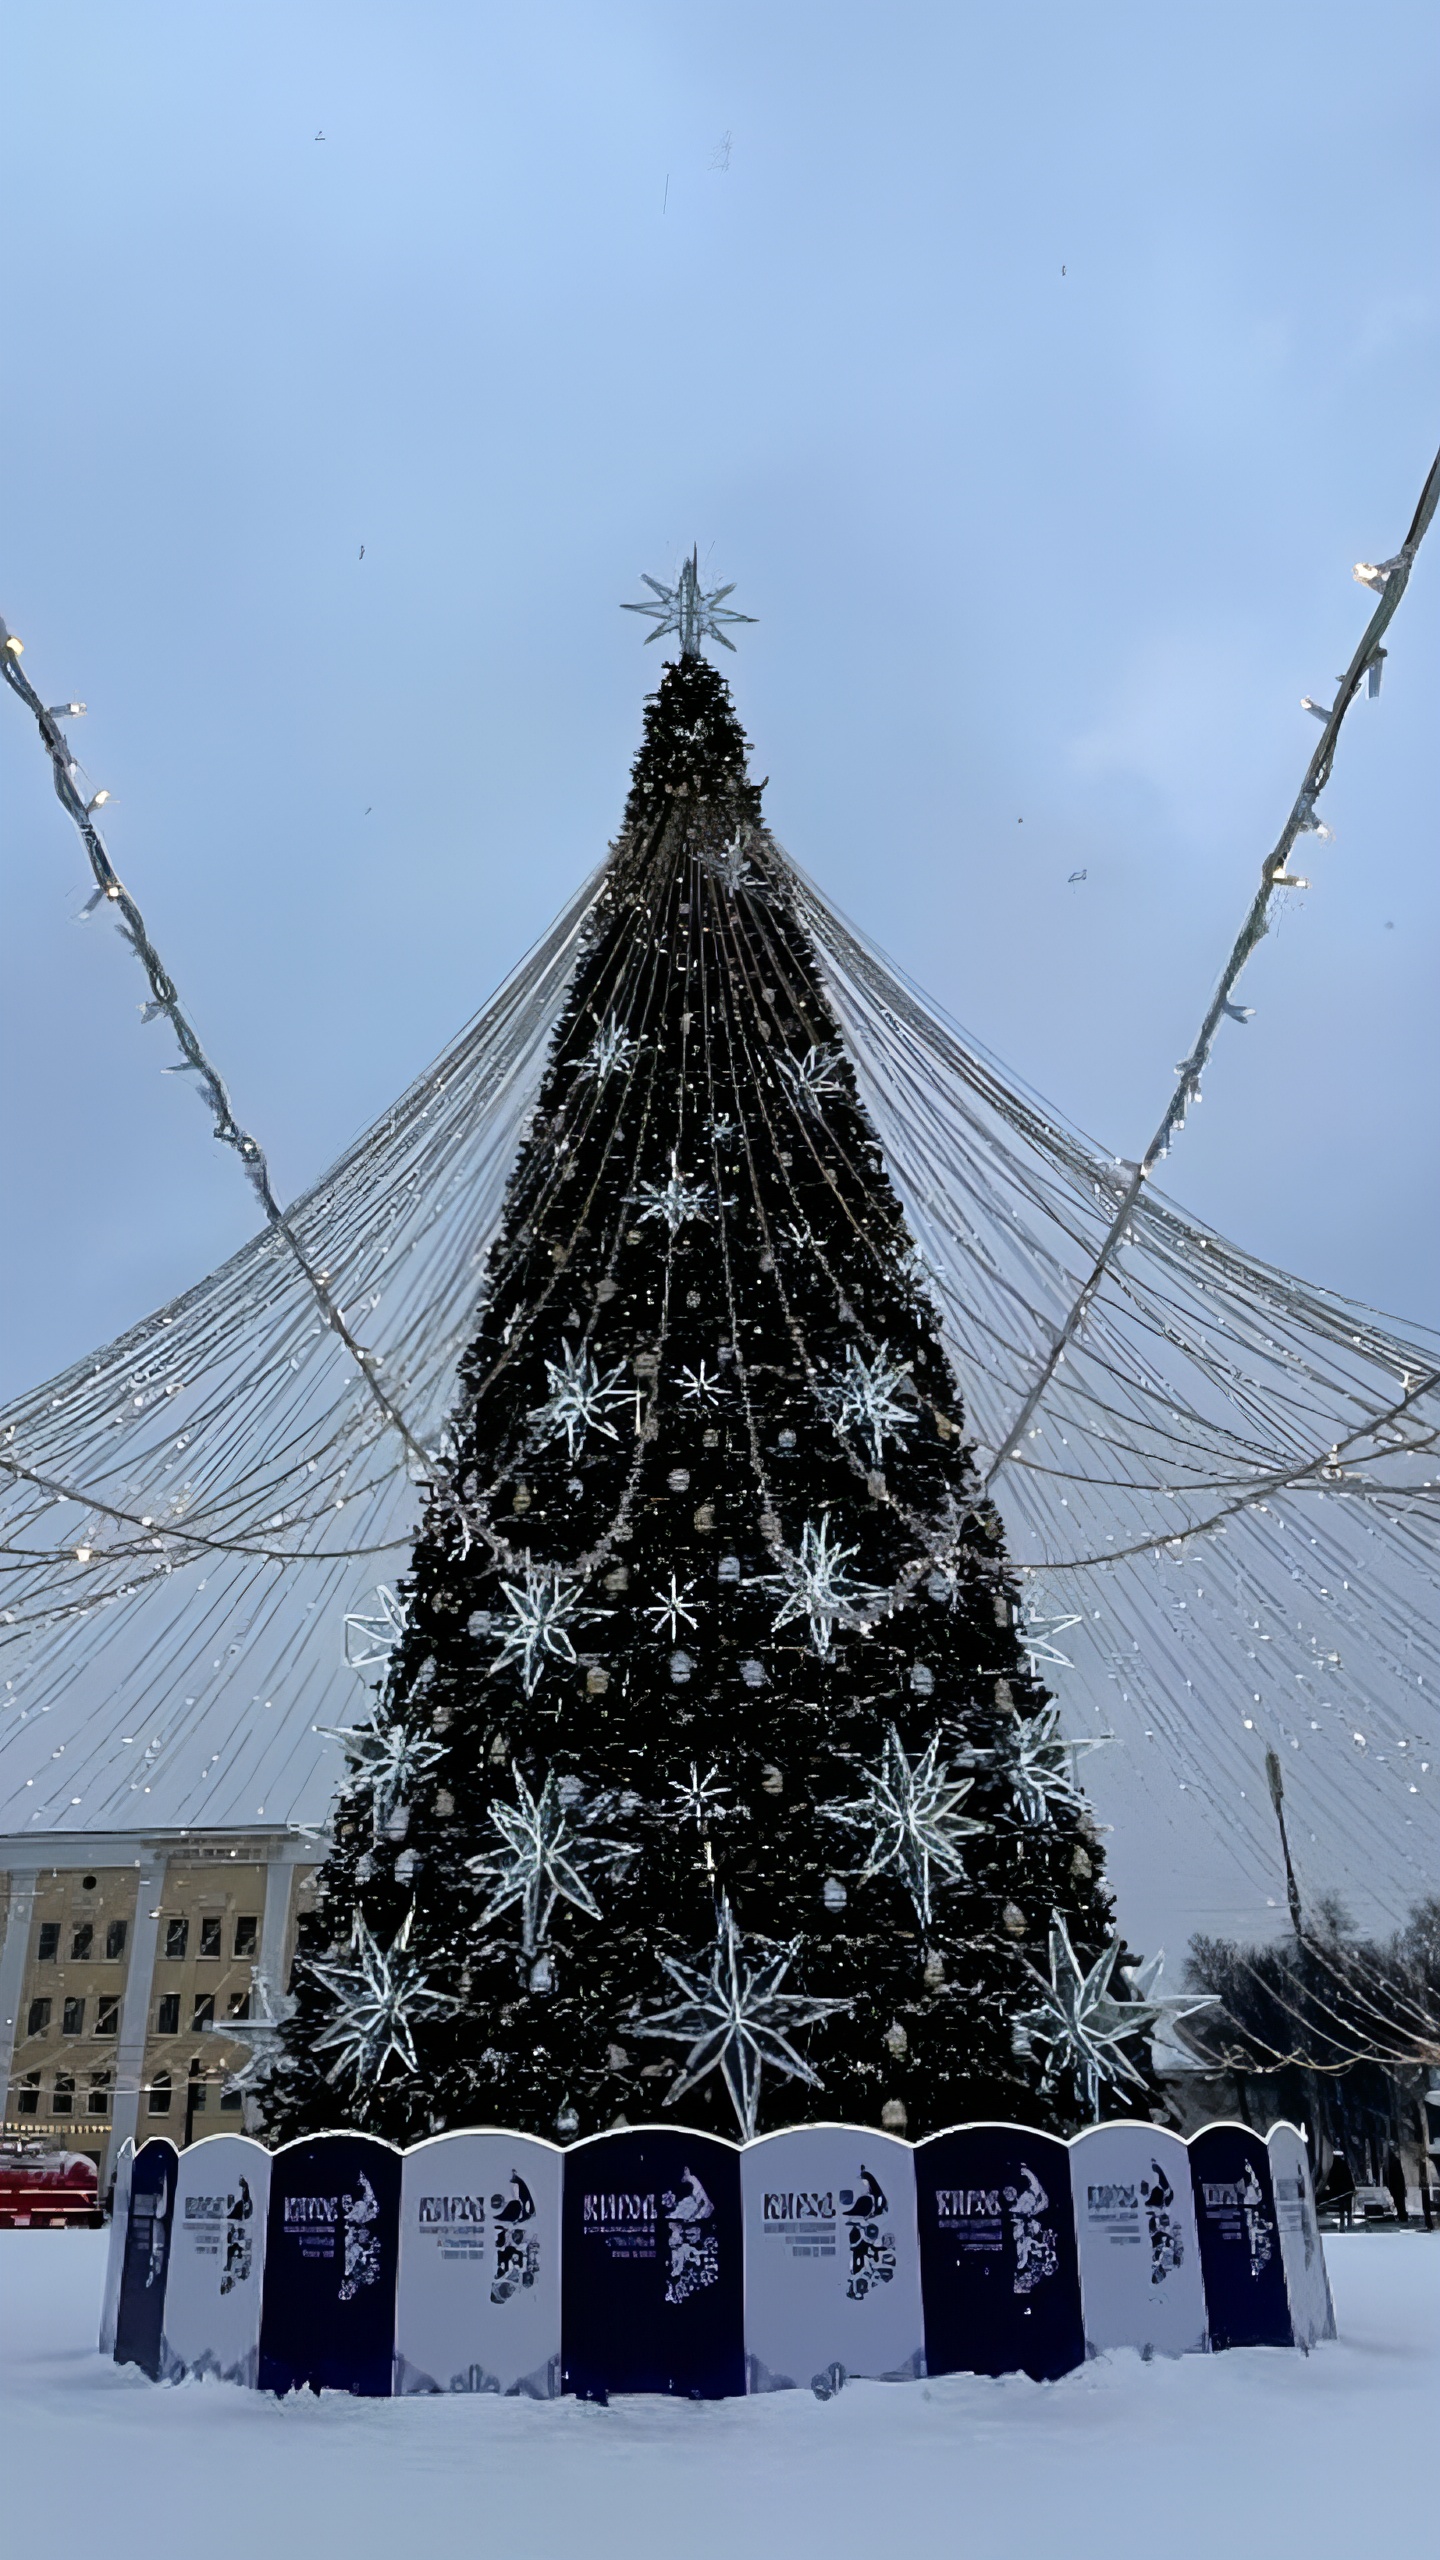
[(693, 612), (736, 2019)]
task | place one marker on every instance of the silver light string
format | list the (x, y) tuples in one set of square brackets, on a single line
[(164, 1000), (1202, 1383), (1390, 577)]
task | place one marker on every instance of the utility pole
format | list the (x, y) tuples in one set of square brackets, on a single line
[(1275, 1776)]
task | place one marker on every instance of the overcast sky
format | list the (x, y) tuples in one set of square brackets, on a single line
[(1039, 373)]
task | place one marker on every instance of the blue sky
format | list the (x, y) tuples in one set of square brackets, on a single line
[(1039, 374)]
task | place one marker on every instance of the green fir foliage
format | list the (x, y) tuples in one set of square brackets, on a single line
[(711, 1630)]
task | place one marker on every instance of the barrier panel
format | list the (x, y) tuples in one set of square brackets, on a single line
[(478, 2305), (998, 2266), (652, 2295), (216, 2275), (332, 2234), (1312, 2313), (1140, 2277), (140, 2310), (1239, 2243), (660, 2260), (832, 2259), (115, 2249)]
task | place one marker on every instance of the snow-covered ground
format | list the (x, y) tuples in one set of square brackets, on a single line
[(1241, 2455)]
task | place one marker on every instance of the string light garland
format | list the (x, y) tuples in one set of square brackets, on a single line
[(1229, 1491), (165, 1000), (1389, 580)]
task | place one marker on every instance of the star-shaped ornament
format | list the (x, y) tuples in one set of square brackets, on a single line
[(694, 613), (911, 1810), (543, 1861), (380, 1995), (372, 1637), (1081, 2027), (737, 2020)]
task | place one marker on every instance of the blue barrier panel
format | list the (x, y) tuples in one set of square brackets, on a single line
[(332, 2241), (1239, 2240), (998, 2266), (652, 2281), (140, 2313)]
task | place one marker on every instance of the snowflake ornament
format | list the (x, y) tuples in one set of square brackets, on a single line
[(864, 1397), (543, 1860), (372, 1639), (672, 1609), (700, 1800), (703, 1387), (611, 1052), (694, 613), (817, 1585), (1081, 2027), (381, 1995), (677, 1201), (544, 1608), (911, 1810), (388, 1758), (579, 1399), (736, 2019), (814, 1078)]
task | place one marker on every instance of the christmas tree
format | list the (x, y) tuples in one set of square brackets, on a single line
[(708, 1779)]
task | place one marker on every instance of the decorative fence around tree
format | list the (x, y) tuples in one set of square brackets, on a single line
[(653, 2259)]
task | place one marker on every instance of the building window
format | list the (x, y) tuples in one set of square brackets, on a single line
[(107, 2014), (167, 2016), (73, 2020), (49, 1941), (160, 2094), (27, 2100), (62, 2102), (210, 1936), (247, 1936), (82, 1942), (115, 1937), (238, 2005), (231, 2101), (37, 2022), (177, 1938), (204, 2009), (97, 2101)]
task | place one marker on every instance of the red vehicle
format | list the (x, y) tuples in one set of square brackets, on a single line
[(47, 2189)]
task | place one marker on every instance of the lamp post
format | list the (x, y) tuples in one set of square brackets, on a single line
[(1276, 1781)]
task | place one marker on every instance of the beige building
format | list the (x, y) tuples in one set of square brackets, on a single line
[(121, 1959)]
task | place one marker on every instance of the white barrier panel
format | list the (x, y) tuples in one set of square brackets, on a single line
[(832, 2259), (1140, 2279), (217, 2260), (1301, 2254), (115, 2255), (478, 2307)]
